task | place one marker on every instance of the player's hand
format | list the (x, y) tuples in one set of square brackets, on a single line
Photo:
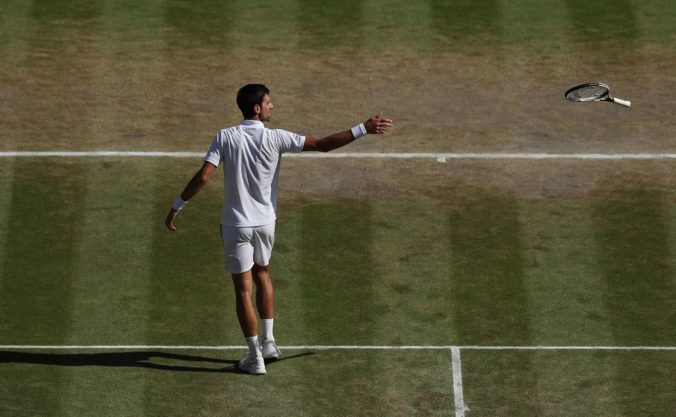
[(169, 221), (378, 124)]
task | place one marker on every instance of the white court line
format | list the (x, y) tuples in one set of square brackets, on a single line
[(99, 154), (617, 348), (458, 395), (440, 157), (340, 347)]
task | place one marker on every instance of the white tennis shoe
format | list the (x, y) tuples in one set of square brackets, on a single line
[(252, 364), (270, 349)]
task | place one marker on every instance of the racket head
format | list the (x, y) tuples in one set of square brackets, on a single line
[(588, 92)]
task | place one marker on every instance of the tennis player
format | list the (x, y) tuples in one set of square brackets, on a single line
[(250, 154)]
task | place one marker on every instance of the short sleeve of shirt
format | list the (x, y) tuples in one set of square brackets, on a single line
[(289, 142), (215, 153)]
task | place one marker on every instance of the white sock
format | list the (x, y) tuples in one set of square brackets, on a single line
[(254, 349), (267, 329)]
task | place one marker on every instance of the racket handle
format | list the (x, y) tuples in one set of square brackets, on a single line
[(621, 102)]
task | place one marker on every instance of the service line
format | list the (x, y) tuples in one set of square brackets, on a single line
[(439, 157)]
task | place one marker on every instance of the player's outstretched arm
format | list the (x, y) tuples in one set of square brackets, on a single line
[(190, 190), (375, 125)]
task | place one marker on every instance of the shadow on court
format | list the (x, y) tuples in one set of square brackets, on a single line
[(149, 360)]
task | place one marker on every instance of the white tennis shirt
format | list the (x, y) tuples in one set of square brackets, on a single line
[(251, 156)]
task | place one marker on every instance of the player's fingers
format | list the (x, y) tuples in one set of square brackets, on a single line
[(383, 126), (376, 124), (169, 221)]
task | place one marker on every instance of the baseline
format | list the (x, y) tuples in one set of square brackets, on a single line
[(338, 347)]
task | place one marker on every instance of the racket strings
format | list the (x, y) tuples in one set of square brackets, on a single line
[(590, 92)]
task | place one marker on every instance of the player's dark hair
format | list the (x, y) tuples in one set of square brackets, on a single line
[(250, 95)]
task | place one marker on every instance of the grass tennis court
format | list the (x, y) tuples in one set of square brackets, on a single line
[(381, 266), (463, 265)]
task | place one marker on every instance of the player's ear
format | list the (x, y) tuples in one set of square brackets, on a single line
[(257, 108)]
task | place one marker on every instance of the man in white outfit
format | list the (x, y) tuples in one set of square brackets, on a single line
[(251, 155)]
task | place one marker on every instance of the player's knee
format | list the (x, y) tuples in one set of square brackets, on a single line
[(261, 274)]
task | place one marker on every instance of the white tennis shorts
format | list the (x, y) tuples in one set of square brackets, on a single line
[(244, 246)]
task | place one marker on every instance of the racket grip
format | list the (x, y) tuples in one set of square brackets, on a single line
[(625, 103)]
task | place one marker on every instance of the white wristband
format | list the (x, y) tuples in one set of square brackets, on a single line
[(179, 203), (359, 131)]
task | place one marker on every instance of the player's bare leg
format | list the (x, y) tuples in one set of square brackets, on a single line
[(245, 310), (246, 314), (265, 301), (265, 294)]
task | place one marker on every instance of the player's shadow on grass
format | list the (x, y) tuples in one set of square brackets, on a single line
[(149, 360)]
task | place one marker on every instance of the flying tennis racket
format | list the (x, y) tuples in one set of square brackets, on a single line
[(593, 92)]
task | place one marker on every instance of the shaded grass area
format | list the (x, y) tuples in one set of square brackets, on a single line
[(38, 266), (206, 384), (487, 257), (633, 236), (40, 251)]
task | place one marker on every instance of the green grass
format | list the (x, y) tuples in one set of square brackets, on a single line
[(367, 253), (467, 266), (163, 75), (568, 383)]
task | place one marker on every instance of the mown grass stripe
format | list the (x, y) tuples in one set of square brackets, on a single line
[(324, 24), (633, 225), (411, 255), (489, 295), (206, 23), (195, 279), (467, 21), (336, 239), (539, 23), (598, 21), (565, 288), (14, 20), (411, 274), (40, 256), (6, 192), (565, 295), (189, 292), (339, 283), (488, 267), (40, 250)]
